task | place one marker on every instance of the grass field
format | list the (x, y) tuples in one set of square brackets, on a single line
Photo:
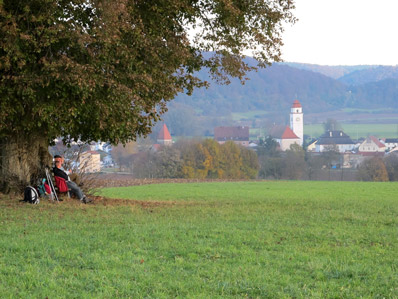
[(357, 130), (280, 239), (353, 130)]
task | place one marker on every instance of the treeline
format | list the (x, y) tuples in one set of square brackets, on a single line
[(379, 169), (195, 159), (296, 164), (206, 159)]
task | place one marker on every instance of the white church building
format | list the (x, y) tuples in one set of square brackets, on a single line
[(287, 136)]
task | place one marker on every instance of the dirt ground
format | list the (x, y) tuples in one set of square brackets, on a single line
[(107, 180)]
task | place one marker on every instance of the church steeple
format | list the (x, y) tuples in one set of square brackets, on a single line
[(164, 136), (296, 120)]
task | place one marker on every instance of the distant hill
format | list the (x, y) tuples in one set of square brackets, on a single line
[(270, 92), (369, 75), (272, 89), (380, 94), (331, 71)]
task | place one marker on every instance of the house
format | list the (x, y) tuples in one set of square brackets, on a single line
[(312, 145), (164, 136), (90, 161), (338, 139), (239, 135), (107, 160), (391, 143), (284, 136), (372, 146)]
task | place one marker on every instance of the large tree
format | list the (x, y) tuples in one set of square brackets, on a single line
[(104, 69)]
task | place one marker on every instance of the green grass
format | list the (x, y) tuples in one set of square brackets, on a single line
[(353, 130), (207, 240), (358, 130), (363, 110)]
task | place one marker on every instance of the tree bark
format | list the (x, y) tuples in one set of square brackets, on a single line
[(22, 161)]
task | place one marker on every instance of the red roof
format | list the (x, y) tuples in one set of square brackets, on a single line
[(296, 104), (377, 142), (231, 133), (289, 134), (164, 133)]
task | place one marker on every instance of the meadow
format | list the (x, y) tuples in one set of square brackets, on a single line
[(265, 239), (356, 131)]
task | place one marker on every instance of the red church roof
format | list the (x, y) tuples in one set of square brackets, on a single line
[(283, 132), (289, 134), (296, 104), (164, 133)]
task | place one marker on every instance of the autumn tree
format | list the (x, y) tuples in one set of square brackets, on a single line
[(391, 162), (373, 169), (194, 159), (207, 159), (166, 163), (214, 158), (104, 69), (232, 161), (250, 164)]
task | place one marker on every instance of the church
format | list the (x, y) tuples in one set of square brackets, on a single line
[(285, 135)]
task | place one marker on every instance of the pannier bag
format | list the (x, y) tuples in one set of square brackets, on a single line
[(31, 195)]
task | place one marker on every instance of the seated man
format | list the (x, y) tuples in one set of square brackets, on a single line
[(74, 188)]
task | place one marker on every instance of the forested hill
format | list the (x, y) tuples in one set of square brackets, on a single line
[(275, 88), (374, 74)]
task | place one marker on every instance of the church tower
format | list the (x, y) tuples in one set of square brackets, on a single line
[(296, 120), (164, 136)]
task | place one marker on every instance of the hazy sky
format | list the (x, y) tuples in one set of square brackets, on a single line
[(343, 32)]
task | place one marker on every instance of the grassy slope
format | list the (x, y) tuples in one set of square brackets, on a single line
[(253, 239)]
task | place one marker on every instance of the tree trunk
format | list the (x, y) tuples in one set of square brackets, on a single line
[(22, 161)]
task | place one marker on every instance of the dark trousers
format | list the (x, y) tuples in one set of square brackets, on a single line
[(74, 188)]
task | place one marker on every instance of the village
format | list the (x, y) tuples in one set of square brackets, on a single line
[(349, 153)]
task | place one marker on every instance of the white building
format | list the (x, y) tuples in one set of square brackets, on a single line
[(391, 143), (371, 145), (90, 161), (334, 139), (297, 121), (285, 137)]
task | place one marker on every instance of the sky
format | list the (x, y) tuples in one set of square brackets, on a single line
[(343, 32)]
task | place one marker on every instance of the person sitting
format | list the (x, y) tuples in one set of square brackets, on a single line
[(59, 171)]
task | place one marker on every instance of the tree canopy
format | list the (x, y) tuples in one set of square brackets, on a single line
[(105, 69)]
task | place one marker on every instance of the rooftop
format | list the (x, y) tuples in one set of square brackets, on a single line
[(296, 104), (334, 137), (240, 133), (164, 133)]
